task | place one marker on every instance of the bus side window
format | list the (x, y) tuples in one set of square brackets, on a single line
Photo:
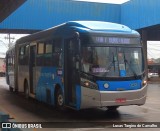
[(13, 58), (9, 59), (48, 54), (26, 54), (40, 53), (23, 55)]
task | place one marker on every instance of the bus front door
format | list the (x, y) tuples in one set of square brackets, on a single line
[(70, 72), (32, 69)]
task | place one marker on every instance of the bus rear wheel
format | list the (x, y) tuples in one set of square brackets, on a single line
[(59, 99), (112, 108)]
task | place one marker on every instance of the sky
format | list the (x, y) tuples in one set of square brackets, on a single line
[(14, 36), (4, 42), (105, 1), (3, 50)]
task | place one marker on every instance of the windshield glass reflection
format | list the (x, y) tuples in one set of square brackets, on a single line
[(112, 61)]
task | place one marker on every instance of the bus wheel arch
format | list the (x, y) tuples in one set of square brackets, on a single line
[(59, 97), (26, 89)]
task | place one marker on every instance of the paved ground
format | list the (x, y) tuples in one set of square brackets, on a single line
[(23, 110)]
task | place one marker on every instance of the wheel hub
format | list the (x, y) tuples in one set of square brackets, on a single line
[(60, 100)]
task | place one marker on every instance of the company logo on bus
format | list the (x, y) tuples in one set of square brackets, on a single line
[(133, 84)]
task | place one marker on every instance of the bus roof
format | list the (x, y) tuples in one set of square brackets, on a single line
[(101, 26), (81, 26)]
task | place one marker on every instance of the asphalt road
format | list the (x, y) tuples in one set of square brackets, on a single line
[(24, 110)]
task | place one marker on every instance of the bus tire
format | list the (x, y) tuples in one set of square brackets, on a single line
[(112, 108), (59, 99), (26, 90)]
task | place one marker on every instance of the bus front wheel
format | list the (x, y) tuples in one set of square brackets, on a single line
[(59, 99)]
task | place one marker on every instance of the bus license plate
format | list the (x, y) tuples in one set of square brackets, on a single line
[(120, 100)]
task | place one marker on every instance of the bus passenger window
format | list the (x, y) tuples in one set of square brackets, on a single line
[(48, 54), (48, 48), (22, 53), (9, 60), (40, 53), (40, 48), (26, 49)]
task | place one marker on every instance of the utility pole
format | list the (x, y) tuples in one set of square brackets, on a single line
[(9, 38)]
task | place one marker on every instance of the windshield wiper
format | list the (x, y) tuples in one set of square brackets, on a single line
[(110, 65), (126, 61)]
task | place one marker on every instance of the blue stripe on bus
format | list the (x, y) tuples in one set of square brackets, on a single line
[(123, 73), (120, 85), (47, 80), (78, 97)]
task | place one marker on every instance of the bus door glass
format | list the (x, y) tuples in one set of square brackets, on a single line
[(32, 68), (70, 70)]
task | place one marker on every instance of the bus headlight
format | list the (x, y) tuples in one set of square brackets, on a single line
[(89, 84), (86, 84), (144, 82)]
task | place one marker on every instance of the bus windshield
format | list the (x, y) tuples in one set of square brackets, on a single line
[(112, 61)]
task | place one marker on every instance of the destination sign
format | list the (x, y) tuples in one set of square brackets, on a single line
[(115, 40)]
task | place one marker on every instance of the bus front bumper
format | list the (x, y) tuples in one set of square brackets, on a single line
[(93, 98)]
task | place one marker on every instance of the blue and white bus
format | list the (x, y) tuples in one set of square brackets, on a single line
[(80, 64)]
